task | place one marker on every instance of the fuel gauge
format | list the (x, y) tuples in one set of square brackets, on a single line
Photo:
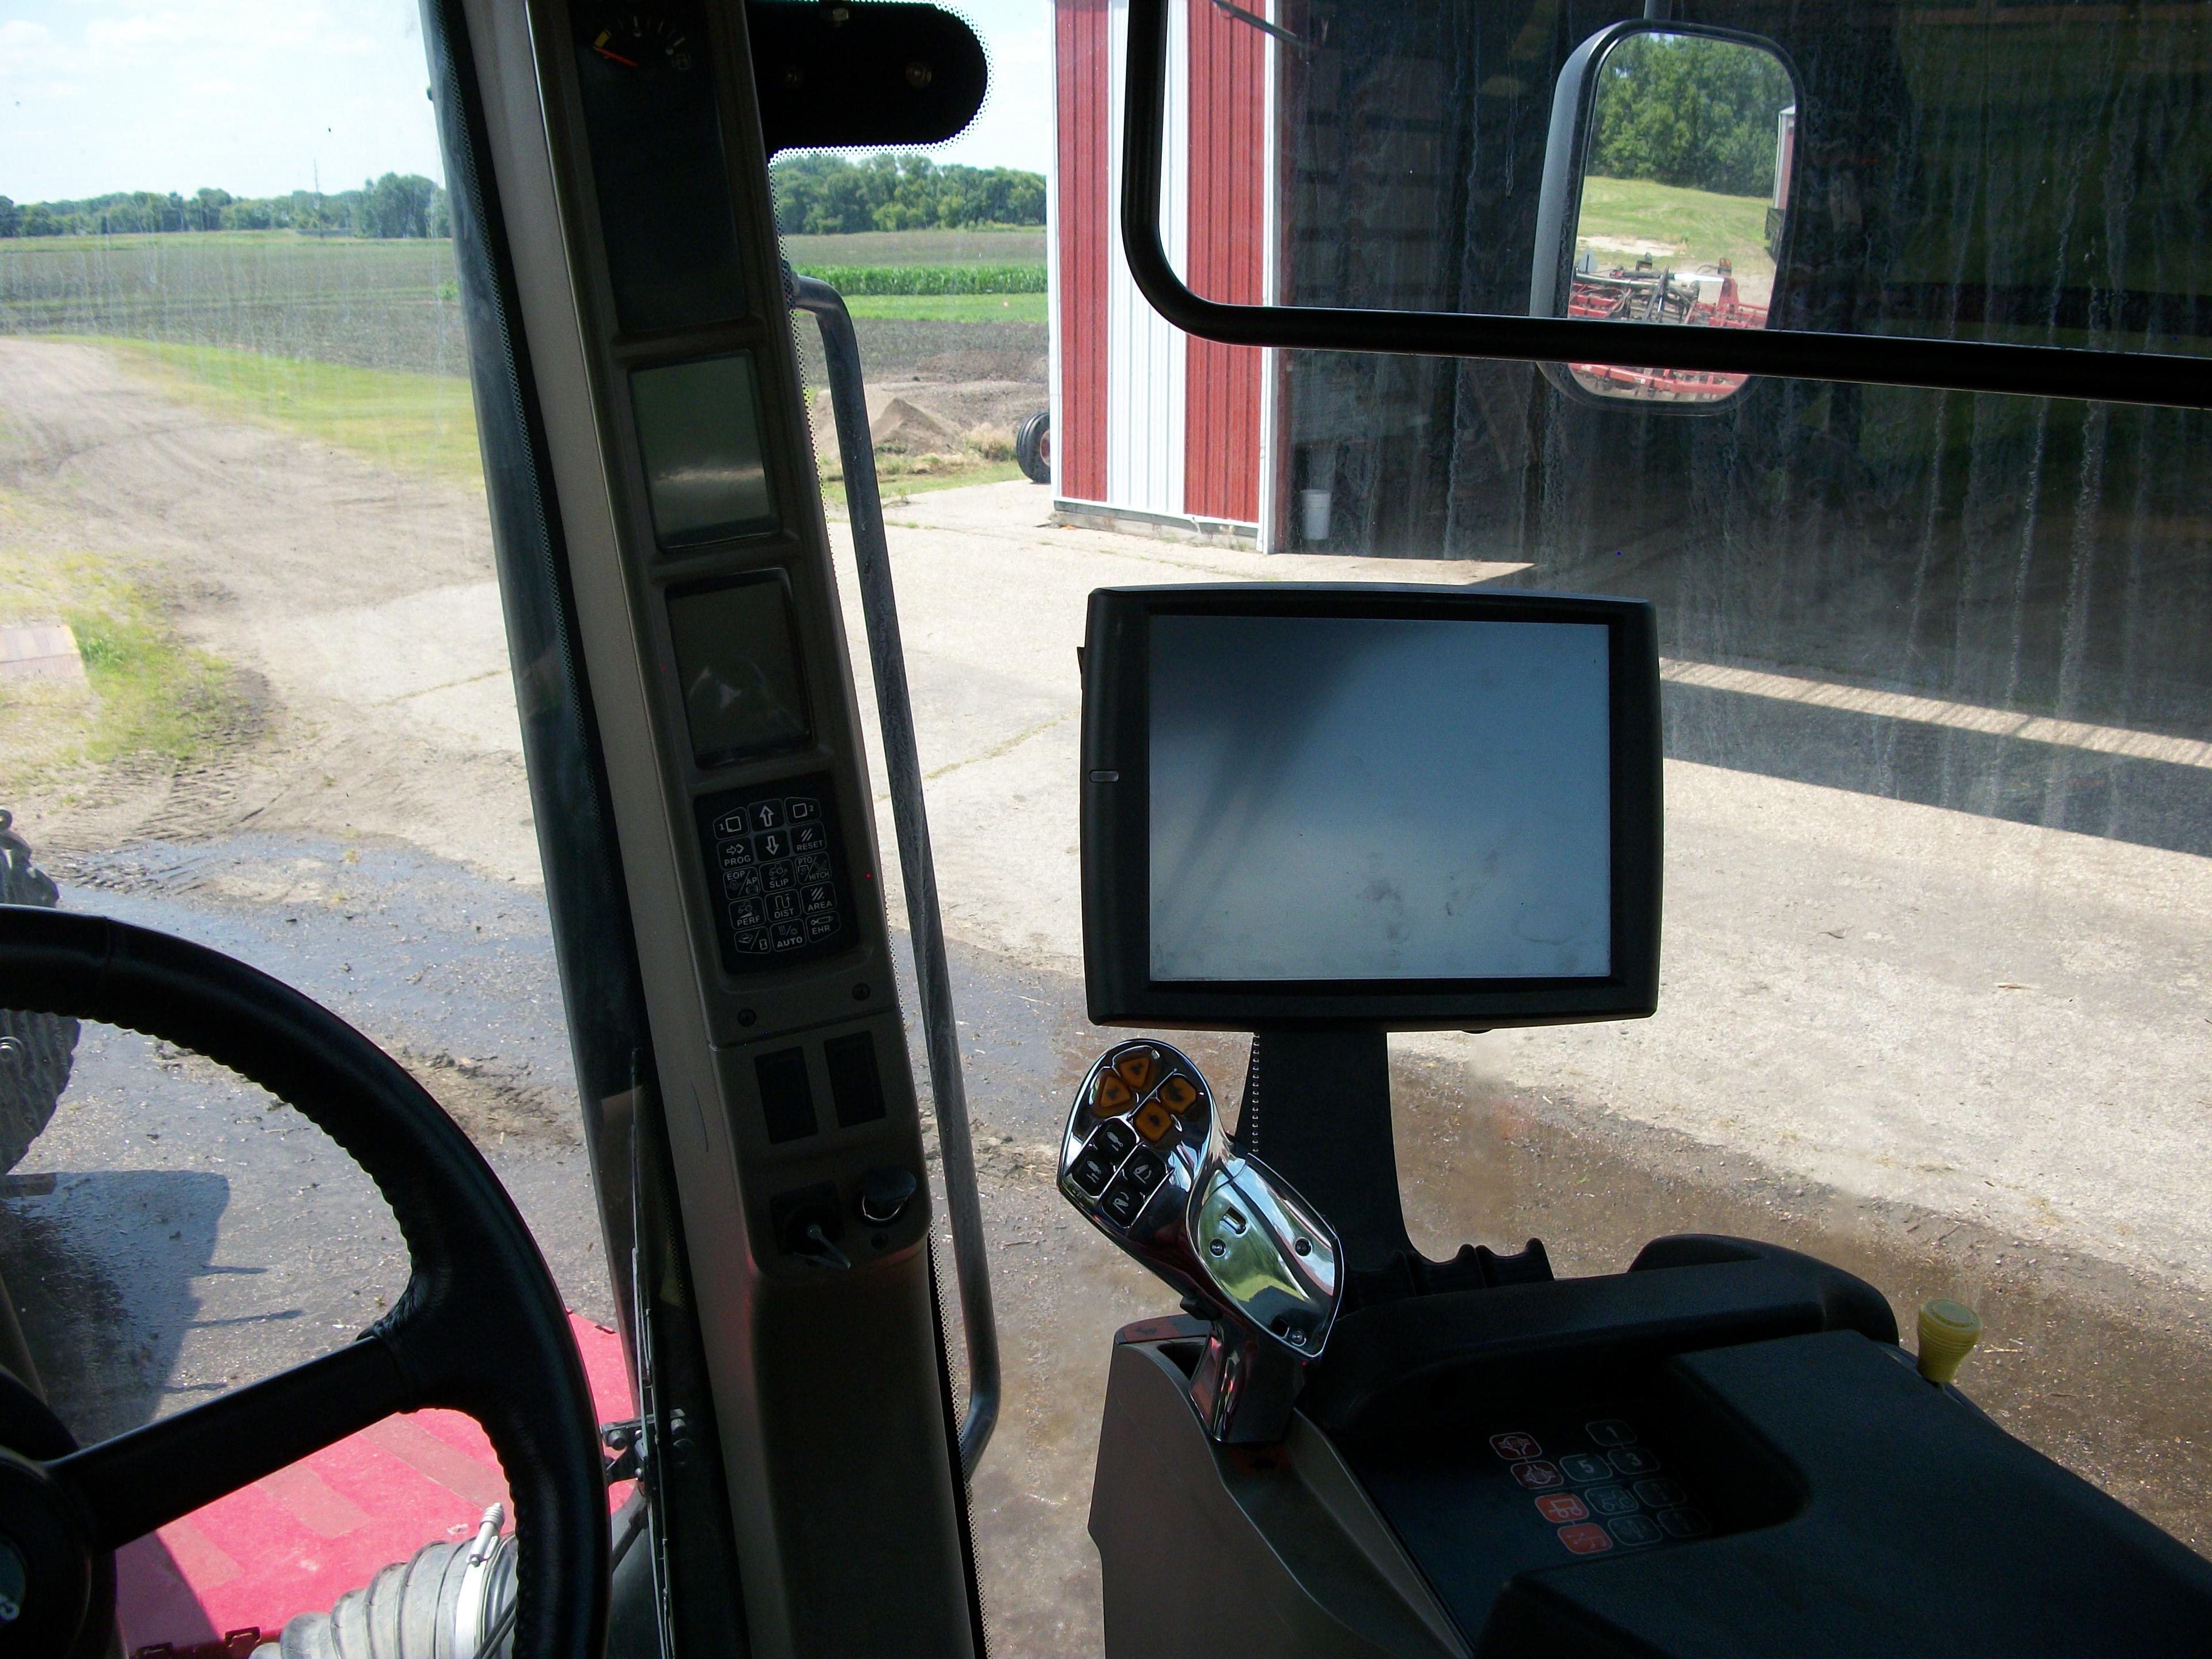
[(637, 38)]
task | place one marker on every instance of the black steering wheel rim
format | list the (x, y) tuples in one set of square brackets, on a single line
[(480, 1328)]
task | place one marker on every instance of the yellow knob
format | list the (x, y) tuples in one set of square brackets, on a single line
[(1948, 1331)]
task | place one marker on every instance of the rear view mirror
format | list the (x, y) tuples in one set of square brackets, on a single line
[(1666, 195)]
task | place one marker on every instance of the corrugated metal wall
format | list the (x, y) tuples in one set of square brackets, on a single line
[(1145, 375), (1080, 203), (1145, 419), (1228, 260)]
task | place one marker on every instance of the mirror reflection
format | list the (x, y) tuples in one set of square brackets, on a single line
[(1685, 185)]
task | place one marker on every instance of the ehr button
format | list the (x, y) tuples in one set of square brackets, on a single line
[(776, 872)]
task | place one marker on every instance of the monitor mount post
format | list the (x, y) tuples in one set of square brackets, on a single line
[(1317, 1111)]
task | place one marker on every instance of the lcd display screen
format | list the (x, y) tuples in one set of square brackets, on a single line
[(699, 428), (739, 660), (1365, 798)]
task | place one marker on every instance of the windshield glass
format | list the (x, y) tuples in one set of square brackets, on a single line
[(1935, 698)]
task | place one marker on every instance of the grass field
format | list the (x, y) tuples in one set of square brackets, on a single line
[(1703, 228), (919, 247), (422, 424), (147, 694), (949, 308)]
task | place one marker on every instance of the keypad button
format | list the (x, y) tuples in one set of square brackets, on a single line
[(1179, 1094), (783, 907), (821, 926), (802, 810), (1123, 1202), (753, 944), (811, 838), (1113, 1140), (1112, 1097), (1685, 1521), (772, 844), (1633, 1460), (1516, 1447), (765, 815), (1610, 1432), (1090, 1172), (1588, 1538), (735, 855), (1154, 1121), (1562, 1507), (819, 897), (787, 936), (1135, 1069), (742, 884), (811, 866), (1660, 1494), (1635, 1529), (1581, 1467), (746, 914), (777, 877), (1537, 1475), (1611, 1500), (1144, 1171)]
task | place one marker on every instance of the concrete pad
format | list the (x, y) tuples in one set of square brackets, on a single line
[(40, 651)]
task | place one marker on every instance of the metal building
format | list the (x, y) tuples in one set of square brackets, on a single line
[(1151, 427)]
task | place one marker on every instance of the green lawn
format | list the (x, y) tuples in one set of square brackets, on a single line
[(1702, 228), (421, 424), (148, 693), (949, 308)]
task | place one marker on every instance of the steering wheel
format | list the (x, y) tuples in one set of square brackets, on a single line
[(479, 1328)]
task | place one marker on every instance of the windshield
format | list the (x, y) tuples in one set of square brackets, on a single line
[(1938, 689)]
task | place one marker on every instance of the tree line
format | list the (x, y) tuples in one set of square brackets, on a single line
[(398, 204), (1690, 111), (823, 195)]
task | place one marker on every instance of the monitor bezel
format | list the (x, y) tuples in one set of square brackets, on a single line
[(1116, 828)]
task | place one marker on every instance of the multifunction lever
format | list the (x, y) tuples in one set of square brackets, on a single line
[(1147, 1160)]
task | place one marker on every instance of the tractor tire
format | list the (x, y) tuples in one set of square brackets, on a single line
[(36, 1050), (1033, 447)]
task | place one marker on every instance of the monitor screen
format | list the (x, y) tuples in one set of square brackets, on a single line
[(738, 658), (1344, 798)]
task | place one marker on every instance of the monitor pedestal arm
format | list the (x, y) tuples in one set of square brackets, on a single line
[(1317, 1110)]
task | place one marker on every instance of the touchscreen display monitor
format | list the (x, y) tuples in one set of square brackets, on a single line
[(738, 658), (1379, 797)]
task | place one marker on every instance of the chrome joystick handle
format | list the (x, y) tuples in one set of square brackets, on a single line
[(1142, 1128), (1146, 1159)]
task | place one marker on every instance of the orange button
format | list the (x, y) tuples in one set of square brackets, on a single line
[(1153, 1123), (1136, 1069), (1113, 1096), (1178, 1094)]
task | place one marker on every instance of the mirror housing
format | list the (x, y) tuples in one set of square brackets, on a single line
[(1646, 293)]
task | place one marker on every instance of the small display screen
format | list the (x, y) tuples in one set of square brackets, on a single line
[(699, 431), (738, 658), (1363, 798)]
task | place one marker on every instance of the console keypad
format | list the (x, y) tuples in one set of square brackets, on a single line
[(1607, 1494), (775, 864), (1142, 1107)]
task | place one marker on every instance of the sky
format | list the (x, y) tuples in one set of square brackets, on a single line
[(262, 97)]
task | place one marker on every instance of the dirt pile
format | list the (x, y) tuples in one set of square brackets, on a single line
[(932, 417)]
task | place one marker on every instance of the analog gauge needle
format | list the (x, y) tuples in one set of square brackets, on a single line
[(599, 45)]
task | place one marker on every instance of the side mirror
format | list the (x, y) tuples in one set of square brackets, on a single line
[(1666, 196)]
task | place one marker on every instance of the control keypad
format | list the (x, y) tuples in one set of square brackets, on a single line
[(776, 864), (1143, 1114)]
